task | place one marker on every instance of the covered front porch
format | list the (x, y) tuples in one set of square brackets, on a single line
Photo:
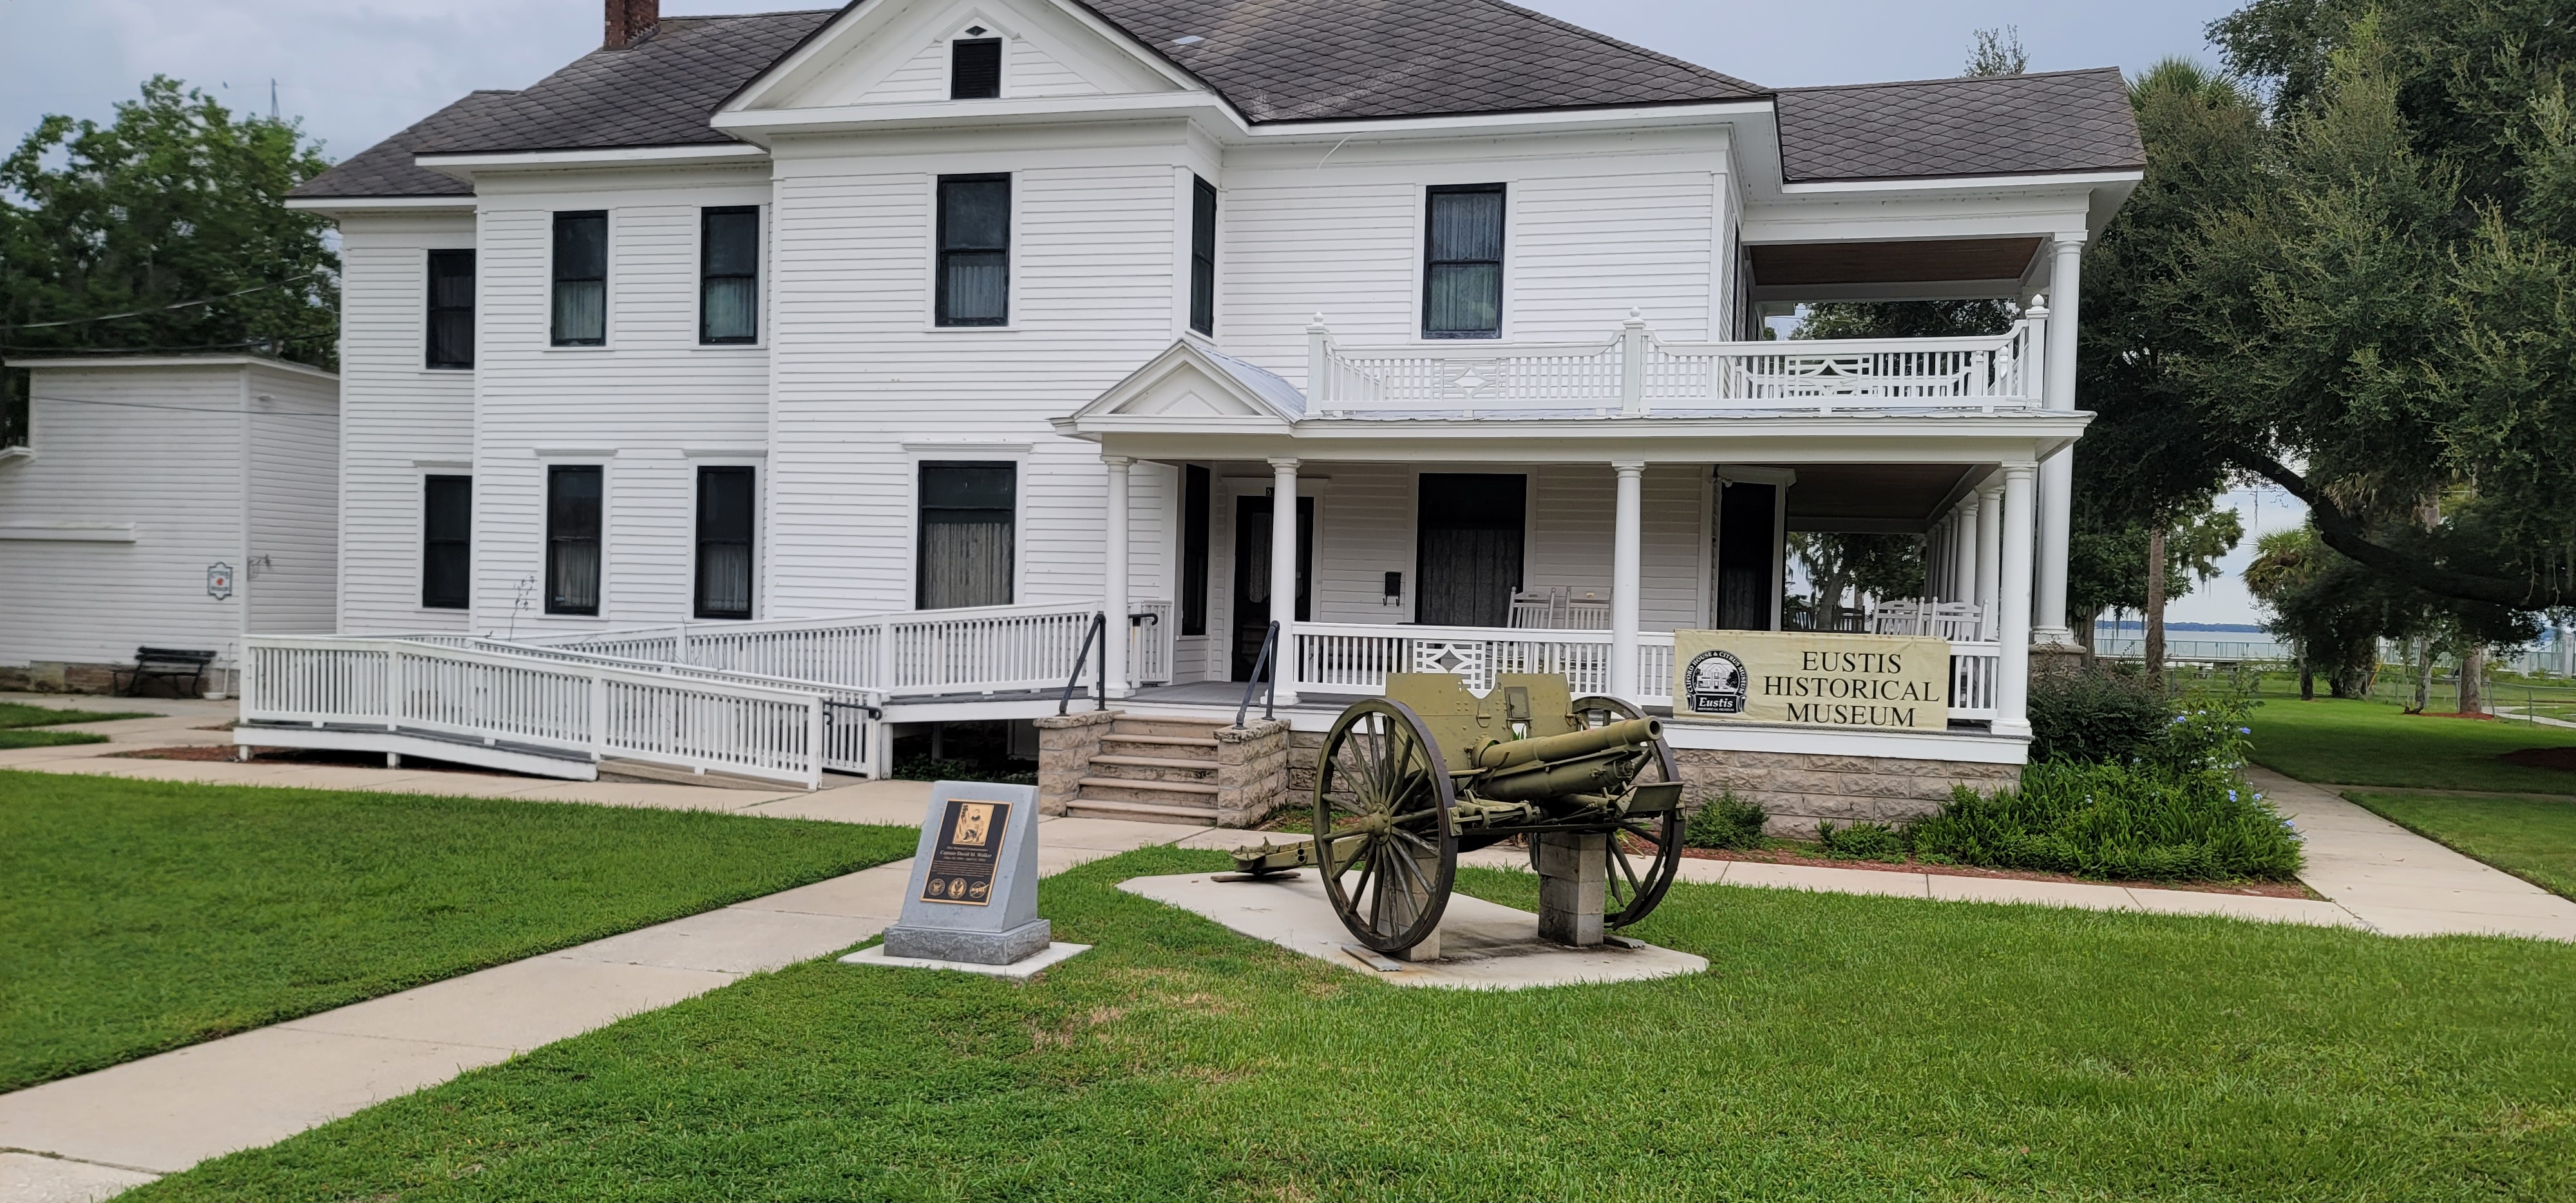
[(1496, 523)]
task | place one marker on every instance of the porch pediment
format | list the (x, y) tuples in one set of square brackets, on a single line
[(1191, 387)]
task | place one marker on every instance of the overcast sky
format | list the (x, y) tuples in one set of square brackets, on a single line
[(357, 70)]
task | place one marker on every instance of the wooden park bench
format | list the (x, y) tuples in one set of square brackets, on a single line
[(167, 664)]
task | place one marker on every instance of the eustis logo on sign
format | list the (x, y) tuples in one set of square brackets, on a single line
[(1814, 679)]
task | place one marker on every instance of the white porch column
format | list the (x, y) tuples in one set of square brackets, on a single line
[(2057, 472), (1114, 596), (1283, 574), (1963, 578), (1627, 560), (1990, 520), (2012, 672)]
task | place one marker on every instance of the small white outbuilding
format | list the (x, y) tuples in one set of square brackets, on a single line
[(169, 501)]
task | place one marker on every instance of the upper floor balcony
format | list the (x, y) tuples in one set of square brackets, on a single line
[(1635, 373)]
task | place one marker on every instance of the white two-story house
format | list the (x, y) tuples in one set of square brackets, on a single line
[(882, 347)]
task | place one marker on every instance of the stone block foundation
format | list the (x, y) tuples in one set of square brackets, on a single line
[(1798, 789), (57, 676), (1252, 767), (1066, 744)]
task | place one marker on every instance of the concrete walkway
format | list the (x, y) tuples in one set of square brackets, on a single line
[(2402, 884)]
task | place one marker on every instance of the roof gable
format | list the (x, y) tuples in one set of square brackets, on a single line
[(1191, 380), (897, 52)]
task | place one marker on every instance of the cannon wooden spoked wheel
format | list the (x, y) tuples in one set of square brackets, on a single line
[(1384, 835), (1646, 850)]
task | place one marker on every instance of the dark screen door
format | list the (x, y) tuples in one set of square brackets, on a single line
[(1467, 552), (1744, 552), (1252, 575)]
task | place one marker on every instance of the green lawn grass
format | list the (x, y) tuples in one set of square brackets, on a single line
[(138, 915), (19, 714), (2532, 838), (1841, 1047), (2353, 742), (37, 737)]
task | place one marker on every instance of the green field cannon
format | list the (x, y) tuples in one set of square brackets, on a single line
[(1405, 783)]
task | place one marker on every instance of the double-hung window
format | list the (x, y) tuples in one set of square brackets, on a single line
[(967, 517), (581, 279), (725, 524), (1462, 271), (572, 538), (729, 274), (446, 542), (975, 68), (974, 250), (451, 309), (1202, 256)]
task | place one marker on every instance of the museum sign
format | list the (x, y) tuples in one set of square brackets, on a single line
[(1812, 678)]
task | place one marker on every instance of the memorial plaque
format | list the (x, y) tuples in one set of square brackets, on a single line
[(970, 838), (974, 895)]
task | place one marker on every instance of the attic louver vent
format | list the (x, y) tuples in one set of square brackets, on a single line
[(975, 31)]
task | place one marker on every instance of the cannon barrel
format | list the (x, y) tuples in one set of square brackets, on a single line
[(1572, 745)]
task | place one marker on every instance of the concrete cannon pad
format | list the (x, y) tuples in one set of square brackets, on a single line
[(1483, 945)]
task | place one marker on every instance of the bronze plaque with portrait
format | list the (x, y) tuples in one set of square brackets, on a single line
[(970, 846)]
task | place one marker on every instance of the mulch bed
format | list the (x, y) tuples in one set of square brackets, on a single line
[(1773, 856), (2562, 758)]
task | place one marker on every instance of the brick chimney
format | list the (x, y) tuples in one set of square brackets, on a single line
[(630, 21)]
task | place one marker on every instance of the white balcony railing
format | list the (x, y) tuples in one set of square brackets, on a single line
[(978, 650), (1355, 658), (1635, 374), (561, 706)]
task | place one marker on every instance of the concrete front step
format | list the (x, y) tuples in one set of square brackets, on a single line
[(1170, 746), (1149, 812), (1189, 728), (1159, 793), (1152, 768)]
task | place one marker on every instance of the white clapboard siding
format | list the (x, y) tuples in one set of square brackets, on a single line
[(647, 406), (292, 572), (400, 421), (1092, 273), (154, 449), (1028, 70)]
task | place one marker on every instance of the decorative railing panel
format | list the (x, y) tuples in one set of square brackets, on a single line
[(1637, 374)]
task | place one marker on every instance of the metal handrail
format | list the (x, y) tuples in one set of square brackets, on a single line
[(1099, 630), (1263, 669)]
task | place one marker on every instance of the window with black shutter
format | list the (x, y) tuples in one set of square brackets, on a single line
[(572, 539), (966, 534), (446, 542), (581, 279), (451, 309), (975, 69), (725, 508), (1194, 549), (974, 250), (1462, 278), (1202, 256), (729, 274)]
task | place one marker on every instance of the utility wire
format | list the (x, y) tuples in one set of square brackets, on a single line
[(109, 317)]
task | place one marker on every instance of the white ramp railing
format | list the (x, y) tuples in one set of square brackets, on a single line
[(983, 649), (849, 714), (564, 706)]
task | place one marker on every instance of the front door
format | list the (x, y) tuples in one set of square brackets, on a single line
[(1252, 576), (1467, 553)]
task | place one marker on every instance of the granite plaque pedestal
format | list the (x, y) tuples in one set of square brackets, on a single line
[(974, 892)]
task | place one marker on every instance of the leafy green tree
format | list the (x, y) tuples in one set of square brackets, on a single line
[(176, 200), (2384, 320), (1859, 565)]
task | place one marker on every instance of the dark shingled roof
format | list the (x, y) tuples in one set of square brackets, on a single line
[(385, 169), (1314, 60), (2000, 125), (660, 92)]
